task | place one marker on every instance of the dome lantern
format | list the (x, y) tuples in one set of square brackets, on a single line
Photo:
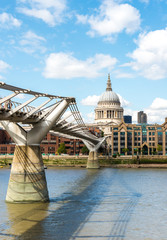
[(109, 97), (109, 84)]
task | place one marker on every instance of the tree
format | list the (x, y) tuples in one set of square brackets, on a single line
[(125, 150), (62, 148), (159, 148), (136, 150), (118, 154), (85, 150)]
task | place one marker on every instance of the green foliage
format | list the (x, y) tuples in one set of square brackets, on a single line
[(125, 150), (85, 150), (135, 150), (102, 134), (159, 148), (154, 152), (62, 148)]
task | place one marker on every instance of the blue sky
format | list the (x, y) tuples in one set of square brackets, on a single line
[(69, 47)]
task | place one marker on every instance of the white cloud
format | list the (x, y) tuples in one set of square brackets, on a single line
[(3, 66), (150, 58), (90, 100), (30, 43), (112, 18), (93, 100), (156, 116), (50, 11), (64, 65), (90, 117), (8, 21), (124, 102), (159, 104)]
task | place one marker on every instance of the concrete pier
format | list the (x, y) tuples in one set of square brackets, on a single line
[(27, 181), (93, 161)]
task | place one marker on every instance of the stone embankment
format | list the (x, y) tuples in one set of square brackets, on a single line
[(81, 161)]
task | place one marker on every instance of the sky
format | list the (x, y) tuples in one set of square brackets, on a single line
[(68, 47)]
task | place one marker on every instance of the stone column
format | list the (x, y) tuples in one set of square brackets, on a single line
[(112, 144), (119, 143), (163, 144), (148, 150), (126, 141), (27, 181), (93, 161), (133, 143)]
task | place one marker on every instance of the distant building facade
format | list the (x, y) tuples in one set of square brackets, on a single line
[(144, 138), (49, 144), (123, 136), (127, 119), (141, 117)]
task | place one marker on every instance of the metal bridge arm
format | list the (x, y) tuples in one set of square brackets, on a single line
[(38, 132), (8, 97), (22, 105), (17, 133), (36, 109)]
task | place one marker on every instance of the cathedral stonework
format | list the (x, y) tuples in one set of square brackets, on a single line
[(108, 110)]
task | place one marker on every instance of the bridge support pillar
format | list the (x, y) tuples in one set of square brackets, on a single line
[(27, 181), (93, 161)]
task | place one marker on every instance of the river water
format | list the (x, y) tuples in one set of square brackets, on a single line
[(116, 204)]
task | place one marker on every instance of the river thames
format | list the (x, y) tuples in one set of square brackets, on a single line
[(116, 204)]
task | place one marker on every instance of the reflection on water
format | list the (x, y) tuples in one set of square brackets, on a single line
[(85, 204)]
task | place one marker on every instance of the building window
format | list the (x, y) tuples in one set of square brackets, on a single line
[(51, 149), (53, 137)]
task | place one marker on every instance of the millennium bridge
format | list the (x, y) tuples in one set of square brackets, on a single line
[(28, 125)]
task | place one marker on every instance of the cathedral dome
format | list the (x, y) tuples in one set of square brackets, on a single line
[(109, 96), (108, 110)]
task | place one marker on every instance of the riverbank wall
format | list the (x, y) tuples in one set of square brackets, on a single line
[(105, 161)]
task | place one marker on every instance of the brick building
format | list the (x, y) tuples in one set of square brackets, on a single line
[(49, 144)]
